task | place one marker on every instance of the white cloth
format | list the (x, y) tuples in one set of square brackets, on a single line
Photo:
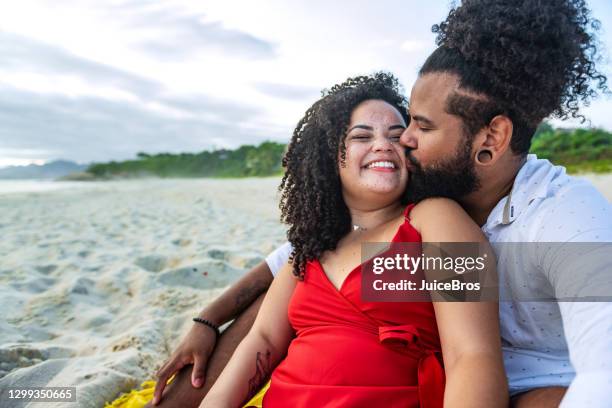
[(549, 343), (279, 257), (554, 343)]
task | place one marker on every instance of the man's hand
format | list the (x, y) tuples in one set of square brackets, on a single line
[(195, 349), (547, 397)]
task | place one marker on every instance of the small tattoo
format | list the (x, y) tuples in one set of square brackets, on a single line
[(247, 296), (263, 368)]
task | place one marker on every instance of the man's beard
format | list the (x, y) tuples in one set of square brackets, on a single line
[(454, 178)]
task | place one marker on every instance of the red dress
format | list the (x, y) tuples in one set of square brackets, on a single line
[(350, 353)]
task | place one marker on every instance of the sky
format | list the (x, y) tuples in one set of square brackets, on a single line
[(103, 80)]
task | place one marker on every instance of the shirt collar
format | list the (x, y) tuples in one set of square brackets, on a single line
[(531, 182)]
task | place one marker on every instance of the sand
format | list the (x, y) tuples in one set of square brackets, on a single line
[(98, 283), (603, 182)]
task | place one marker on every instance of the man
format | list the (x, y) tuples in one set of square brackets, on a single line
[(475, 106)]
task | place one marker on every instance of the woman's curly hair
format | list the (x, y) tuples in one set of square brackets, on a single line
[(530, 59), (311, 194)]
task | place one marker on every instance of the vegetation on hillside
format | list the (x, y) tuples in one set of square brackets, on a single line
[(580, 150), (245, 161)]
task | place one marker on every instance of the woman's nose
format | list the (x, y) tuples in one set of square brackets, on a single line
[(382, 143)]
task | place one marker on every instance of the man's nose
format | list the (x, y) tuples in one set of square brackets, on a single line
[(407, 139)]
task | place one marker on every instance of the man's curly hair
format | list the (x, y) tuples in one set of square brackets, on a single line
[(311, 193), (527, 59)]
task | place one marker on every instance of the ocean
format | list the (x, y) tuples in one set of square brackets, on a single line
[(33, 186)]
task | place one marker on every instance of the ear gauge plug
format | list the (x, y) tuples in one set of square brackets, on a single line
[(484, 156)]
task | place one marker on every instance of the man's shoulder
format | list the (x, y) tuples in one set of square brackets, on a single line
[(571, 207), (569, 194), (541, 179), (554, 206), (279, 257)]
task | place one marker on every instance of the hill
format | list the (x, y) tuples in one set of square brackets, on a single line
[(52, 170)]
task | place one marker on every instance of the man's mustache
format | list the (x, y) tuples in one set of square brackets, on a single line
[(411, 158)]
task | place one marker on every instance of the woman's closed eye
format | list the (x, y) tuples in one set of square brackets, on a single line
[(360, 137), (395, 137)]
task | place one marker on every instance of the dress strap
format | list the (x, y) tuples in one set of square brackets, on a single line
[(407, 210)]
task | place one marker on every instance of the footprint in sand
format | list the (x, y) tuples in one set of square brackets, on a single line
[(152, 263), (45, 269), (16, 356), (205, 275)]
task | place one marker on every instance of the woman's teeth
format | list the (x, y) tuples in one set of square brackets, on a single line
[(381, 164)]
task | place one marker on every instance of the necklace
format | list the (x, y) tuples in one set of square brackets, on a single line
[(357, 227)]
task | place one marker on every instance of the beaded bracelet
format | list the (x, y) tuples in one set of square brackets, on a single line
[(209, 324)]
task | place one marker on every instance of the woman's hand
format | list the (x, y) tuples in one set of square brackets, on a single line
[(195, 348)]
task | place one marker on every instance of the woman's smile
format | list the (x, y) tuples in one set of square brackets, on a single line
[(385, 166)]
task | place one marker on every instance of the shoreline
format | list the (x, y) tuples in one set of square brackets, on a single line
[(602, 181)]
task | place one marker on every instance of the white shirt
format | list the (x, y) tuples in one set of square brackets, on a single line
[(553, 343), (548, 343), (279, 257)]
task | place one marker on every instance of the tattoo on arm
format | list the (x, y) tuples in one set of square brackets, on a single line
[(248, 295), (263, 368)]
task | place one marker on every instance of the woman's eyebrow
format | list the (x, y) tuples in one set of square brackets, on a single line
[(366, 127)]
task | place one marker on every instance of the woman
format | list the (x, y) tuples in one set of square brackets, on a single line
[(324, 346)]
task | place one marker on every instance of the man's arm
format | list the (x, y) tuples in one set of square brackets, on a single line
[(547, 397), (198, 345), (579, 269), (588, 328), (181, 392), (586, 325), (239, 296)]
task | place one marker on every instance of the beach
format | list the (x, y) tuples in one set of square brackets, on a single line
[(603, 182), (99, 281)]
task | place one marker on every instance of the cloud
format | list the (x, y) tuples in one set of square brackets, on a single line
[(287, 91), (172, 33), (87, 129), (39, 125), (221, 111), (413, 45), (22, 54)]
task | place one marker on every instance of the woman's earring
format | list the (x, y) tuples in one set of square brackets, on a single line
[(484, 156)]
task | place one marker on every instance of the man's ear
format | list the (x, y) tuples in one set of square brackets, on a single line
[(493, 140)]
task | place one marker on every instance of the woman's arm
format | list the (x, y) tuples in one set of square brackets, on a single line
[(469, 331), (260, 351)]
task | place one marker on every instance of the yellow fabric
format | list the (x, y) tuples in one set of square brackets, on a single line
[(135, 398), (257, 400), (139, 398)]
